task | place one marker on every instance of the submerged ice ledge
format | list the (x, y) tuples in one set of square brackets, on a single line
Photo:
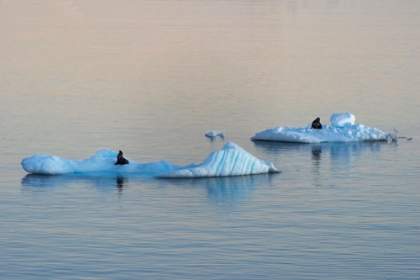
[(231, 160), (342, 129)]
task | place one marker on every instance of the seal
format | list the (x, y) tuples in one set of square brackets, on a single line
[(120, 159), (316, 124)]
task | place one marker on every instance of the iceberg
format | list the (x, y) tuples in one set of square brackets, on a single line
[(342, 129), (231, 160)]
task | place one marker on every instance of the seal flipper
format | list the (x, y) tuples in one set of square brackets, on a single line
[(120, 159)]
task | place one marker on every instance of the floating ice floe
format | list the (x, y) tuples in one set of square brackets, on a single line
[(342, 129), (231, 160), (213, 133)]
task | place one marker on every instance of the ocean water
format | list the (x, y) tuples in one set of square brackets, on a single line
[(151, 78)]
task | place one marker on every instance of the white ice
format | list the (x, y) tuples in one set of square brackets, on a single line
[(342, 119), (342, 129), (231, 160)]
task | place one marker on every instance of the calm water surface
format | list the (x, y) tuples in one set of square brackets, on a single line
[(150, 78)]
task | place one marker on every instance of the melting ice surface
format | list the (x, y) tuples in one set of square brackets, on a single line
[(342, 129), (231, 160)]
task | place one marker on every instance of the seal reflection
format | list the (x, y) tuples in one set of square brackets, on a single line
[(120, 182)]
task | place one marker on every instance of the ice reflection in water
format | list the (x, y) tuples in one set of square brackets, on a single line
[(226, 190), (322, 159), (98, 180), (219, 190)]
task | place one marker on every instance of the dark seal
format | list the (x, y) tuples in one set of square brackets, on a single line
[(316, 124), (120, 159)]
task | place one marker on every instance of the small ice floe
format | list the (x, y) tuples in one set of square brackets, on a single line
[(213, 133), (342, 129), (393, 137)]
